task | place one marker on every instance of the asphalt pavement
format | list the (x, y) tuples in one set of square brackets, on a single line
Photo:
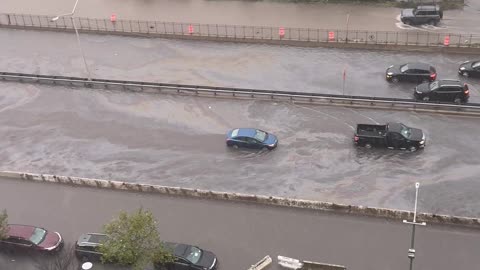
[(258, 13), (241, 234)]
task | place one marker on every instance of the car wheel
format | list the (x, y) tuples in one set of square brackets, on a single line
[(408, 22), (426, 98), (432, 22), (457, 100), (395, 80), (367, 145), (465, 74), (235, 146), (412, 148)]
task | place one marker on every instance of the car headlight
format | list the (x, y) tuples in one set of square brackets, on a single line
[(422, 142), (390, 73), (462, 68)]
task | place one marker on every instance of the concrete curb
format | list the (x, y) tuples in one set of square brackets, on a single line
[(246, 198), (294, 43)]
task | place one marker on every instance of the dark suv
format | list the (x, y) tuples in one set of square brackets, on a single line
[(187, 257), (422, 15), (443, 90)]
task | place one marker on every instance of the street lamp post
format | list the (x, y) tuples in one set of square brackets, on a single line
[(411, 251), (78, 37)]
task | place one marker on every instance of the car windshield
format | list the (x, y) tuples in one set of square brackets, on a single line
[(403, 68), (260, 135), (234, 133), (38, 235), (406, 132), (476, 64), (434, 85), (194, 255)]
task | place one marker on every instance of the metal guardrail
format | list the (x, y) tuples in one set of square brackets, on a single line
[(245, 93), (242, 32)]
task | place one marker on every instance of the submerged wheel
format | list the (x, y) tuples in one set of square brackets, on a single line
[(457, 100), (426, 98), (412, 148), (367, 145), (395, 80)]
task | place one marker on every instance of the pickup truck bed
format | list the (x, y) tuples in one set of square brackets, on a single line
[(365, 130)]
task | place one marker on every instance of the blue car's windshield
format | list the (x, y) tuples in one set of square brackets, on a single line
[(260, 135)]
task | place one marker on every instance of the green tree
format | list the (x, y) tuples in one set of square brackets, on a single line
[(3, 224), (133, 239)]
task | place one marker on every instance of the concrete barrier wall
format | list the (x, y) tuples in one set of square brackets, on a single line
[(307, 265), (246, 198)]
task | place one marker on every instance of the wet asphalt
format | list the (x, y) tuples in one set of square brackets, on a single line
[(241, 234)]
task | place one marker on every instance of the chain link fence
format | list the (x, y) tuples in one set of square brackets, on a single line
[(243, 32)]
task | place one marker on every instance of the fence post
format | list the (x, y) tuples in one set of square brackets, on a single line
[(459, 40), (428, 39), (417, 38), (470, 42), (8, 17), (23, 20)]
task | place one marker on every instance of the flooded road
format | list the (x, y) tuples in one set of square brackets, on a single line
[(220, 64), (180, 141)]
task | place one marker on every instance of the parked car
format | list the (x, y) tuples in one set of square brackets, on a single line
[(470, 68), (251, 138), (431, 14), (411, 72), (391, 135), (26, 238), (443, 90), (187, 257)]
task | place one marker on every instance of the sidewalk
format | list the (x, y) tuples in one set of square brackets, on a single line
[(303, 15)]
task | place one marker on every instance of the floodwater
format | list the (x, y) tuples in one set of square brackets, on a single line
[(179, 141)]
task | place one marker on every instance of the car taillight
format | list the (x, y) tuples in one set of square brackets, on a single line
[(467, 92), (433, 75), (355, 138)]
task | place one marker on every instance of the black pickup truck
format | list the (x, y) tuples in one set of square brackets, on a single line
[(391, 135)]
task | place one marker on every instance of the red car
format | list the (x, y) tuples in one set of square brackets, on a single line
[(25, 237)]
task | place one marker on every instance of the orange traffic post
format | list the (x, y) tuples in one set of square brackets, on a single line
[(190, 29), (446, 41), (331, 36), (281, 32)]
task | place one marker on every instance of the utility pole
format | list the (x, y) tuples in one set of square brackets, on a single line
[(411, 250)]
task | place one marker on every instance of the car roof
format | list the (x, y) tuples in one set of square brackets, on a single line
[(419, 65), (428, 7), (449, 82), (177, 248), (20, 231), (246, 132), (91, 239)]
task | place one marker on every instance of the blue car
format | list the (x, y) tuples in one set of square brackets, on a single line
[(251, 138)]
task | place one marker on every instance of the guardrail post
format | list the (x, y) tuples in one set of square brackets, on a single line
[(470, 42), (416, 43)]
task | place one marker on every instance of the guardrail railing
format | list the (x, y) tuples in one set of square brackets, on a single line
[(242, 93), (243, 32)]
